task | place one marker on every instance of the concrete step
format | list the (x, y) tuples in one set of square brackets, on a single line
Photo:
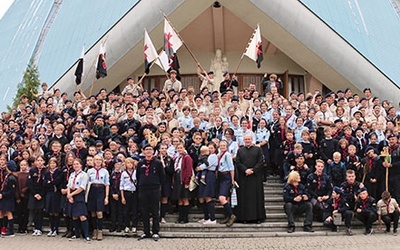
[(258, 234), (268, 192)]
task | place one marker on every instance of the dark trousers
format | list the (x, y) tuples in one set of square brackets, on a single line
[(367, 218), (297, 209), (347, 216), (116, 208), (22, 214), (391, 217), (394, 187), (131, 208), (149, 200)]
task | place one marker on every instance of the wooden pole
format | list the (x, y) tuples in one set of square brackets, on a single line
[(241, 58)]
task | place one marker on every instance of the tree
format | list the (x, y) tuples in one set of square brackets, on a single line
[(30, 81)]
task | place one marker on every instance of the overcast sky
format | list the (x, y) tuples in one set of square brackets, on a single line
[(4, 5)]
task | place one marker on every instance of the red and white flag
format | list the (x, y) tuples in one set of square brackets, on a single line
[(150, 53), (172, 43), (254, 49)]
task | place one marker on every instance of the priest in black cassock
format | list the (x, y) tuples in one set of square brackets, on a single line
[(249, 160)]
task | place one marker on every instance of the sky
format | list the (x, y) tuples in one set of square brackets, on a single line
[(4, 5)]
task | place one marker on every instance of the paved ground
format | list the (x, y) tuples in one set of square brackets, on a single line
[(377, 241)]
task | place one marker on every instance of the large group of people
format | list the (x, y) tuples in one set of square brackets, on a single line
[(139, 154)]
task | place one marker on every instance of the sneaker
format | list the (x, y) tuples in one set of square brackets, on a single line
[(39, 233), (203, 181), (3, 230), (73, 238), (291, 230), (210, 222), (394, 232), (163, 221), (50, 234), (8, 234), (387, 230), (126, 230), (87, 239), (34, 232), (349, 232), (54, 234), (202, 221), (156, 237), (143, 236), (134, 230)]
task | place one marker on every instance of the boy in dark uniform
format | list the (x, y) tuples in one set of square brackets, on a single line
[(115, 199), (336, 204), (366, 210), (320, 188), (150, 175)]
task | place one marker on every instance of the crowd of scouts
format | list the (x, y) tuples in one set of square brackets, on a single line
[(133, 155)]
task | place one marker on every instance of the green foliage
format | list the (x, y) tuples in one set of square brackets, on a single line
[(30, 83)]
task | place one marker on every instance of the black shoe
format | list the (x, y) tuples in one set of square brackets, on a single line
[(119, 229), (335, 228), (308, 229), (291, 230), (388, 230), (143, 236), (70, 234), (112, 229), (395, 232), (65, 234)]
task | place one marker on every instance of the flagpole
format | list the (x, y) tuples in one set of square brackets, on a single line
[(183, 42), (241, 58)]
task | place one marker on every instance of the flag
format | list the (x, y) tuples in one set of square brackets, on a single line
[(79, 68), (150, 53), (101, 69), (254, 49), (162, 61), (172, 43)]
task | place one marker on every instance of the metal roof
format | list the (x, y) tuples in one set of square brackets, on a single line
[(76, 23), (371, 27)]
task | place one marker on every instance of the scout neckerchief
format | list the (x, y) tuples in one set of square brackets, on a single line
[(130, 175), (76, 176), (220, 158), (3, 185), (97, 172)]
